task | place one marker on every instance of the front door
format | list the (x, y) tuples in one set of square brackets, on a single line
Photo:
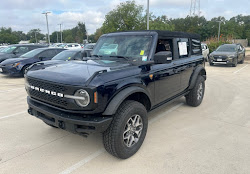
[(167, 81)]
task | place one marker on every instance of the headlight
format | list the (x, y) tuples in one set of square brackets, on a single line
[(16, 64), (82, 98)]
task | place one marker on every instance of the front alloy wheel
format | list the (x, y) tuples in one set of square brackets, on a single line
[(127, 130), (132, 131)]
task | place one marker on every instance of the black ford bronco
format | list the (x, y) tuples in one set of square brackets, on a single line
[(127, 75)]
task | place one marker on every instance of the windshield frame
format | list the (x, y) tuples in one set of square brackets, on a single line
[(64, 53), (138, 57), (32, 51), (230, 48), (8, 48)]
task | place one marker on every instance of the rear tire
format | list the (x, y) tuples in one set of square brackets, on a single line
[(195, 96), (127, 130)]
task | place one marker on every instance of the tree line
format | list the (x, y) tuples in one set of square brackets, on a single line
[(130, 16)]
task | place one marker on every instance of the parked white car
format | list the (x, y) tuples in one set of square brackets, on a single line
[(72, 46), (205, 51)]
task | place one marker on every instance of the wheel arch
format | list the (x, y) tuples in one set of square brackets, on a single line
[(200, 70), (130, 93)]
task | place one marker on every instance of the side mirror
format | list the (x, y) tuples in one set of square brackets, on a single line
[(15, 52), (84, 54), (163, 57), (41, 58)]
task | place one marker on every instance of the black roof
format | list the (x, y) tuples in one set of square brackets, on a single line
[(162, 34)]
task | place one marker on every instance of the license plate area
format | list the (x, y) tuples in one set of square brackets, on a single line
[(219, 60)]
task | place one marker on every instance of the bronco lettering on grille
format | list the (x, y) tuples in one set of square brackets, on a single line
[(47, 91)]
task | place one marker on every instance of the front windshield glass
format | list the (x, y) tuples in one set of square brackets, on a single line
[(9, 49), (32, 53), (65, 55), (131, 47), (227, 48)]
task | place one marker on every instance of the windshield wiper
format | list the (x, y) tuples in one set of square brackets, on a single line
[(122, 57), (95, 55)]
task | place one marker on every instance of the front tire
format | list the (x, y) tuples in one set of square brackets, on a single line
[(235, 62), (127, 131), (195, 96)]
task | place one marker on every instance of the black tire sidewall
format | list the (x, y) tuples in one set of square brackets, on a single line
[(125, 151), (113, 137)]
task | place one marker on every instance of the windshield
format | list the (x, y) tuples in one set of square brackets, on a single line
[(32, 53), (9, 49), (130, 46), (65, 55), (227, 48)]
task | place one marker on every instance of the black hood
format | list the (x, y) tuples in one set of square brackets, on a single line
[(73, 72)]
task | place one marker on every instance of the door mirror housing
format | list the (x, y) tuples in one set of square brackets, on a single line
[(163, 57), (15, 52), (41, 58)]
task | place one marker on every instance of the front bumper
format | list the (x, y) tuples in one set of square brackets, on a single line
[(227, 61), (9, 70), (72, 122)]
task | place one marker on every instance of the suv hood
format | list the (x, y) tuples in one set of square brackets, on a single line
[(72, 72)]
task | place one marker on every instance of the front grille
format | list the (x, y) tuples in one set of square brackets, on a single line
[(55, 100), (220, 57)]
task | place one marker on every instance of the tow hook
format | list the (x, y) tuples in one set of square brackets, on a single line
[(61, 124), (30, 111)]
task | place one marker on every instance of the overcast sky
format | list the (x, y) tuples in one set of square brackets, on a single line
[(24, 15)]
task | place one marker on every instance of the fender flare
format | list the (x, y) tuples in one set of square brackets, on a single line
[(120, 97), (200, 70)]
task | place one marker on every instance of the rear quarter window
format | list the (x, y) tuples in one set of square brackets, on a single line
[(196, 47)]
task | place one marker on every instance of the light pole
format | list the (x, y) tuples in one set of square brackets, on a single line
[(35, 37), (148, 16), (219, 30), (46, 14), (61, 31)]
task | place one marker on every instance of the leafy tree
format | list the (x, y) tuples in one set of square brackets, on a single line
[(35, 35), (127, 16)]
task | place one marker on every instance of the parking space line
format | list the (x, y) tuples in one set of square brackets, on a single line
[(240, 69), (13, 115), (82, 162), (102, 150), (3, 91)]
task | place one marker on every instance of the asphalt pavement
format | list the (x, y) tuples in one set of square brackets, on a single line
[(212, 138)]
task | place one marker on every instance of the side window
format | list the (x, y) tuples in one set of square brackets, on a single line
[(164, 45), (196, 47), (183, 47), (48, 54), (22, 50)]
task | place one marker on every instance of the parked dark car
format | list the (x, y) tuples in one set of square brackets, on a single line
[(17, 66), (112, 91), (14, 51), (228, 54)]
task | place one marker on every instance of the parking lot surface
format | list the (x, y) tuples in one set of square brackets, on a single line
[(211, 138)]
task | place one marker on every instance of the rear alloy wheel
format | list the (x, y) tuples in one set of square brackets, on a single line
[(195, 96), (127, 131)]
